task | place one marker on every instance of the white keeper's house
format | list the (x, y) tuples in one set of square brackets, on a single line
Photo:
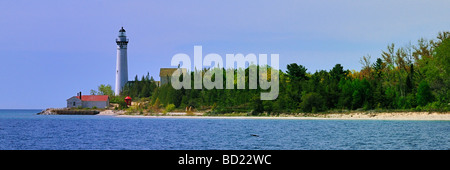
[(88, 101)]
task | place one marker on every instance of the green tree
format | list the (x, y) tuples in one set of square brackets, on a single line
[(337, 72), (401, 78), (145, 91), (257, 106), (312, 102), (378, 68), (441, 80), (296, 72), (424, 95), (157, 104), (332, 88), (345, 99), (103, 90), (362, 94)]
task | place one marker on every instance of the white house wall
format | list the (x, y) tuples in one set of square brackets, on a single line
[(71, 101)]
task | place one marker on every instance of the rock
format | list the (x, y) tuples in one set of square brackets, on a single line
[(47, 112)]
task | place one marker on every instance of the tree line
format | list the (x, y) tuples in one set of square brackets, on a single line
[(411, 77)]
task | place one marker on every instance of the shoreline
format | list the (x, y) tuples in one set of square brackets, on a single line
[(429, 116)]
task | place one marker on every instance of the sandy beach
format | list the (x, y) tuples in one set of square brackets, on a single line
[(330, 116)]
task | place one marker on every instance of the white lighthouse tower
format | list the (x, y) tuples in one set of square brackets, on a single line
[(122, 65)]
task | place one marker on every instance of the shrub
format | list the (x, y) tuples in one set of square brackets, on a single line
[(157, 104), (170, 107), (122, 105), (213, 108)]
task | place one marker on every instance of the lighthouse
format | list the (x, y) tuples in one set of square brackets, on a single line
[(122, 65)]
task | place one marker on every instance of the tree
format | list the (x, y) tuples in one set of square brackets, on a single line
[(388, 56), (297, 75), (157, 104), (256, 104), (140, 88), (312, 102), (366, 70), (362, 94), (93, 92), (378, 67), (441, 83), (103, 90), (357, 95), (410, 80), (296, 72), (424, 95), (337, 73), (401, 78), (345, 99), (332, 87), (145, 91)]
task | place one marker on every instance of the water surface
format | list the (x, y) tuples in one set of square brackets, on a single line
[(23, 129)]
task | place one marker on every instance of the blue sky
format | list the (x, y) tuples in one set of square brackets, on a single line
[(52, 49)]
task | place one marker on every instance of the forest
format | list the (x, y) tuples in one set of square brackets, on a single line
[(406, 78)]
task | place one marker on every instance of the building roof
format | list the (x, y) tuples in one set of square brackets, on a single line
[(166, 71), (169, 71), (93, 97)]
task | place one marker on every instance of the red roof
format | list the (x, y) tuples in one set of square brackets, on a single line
[(94, 97), (128, 97)]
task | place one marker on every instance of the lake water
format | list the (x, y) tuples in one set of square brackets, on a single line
[(23, 129)]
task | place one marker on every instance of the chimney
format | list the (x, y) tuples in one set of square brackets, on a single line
[(80, 95)]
